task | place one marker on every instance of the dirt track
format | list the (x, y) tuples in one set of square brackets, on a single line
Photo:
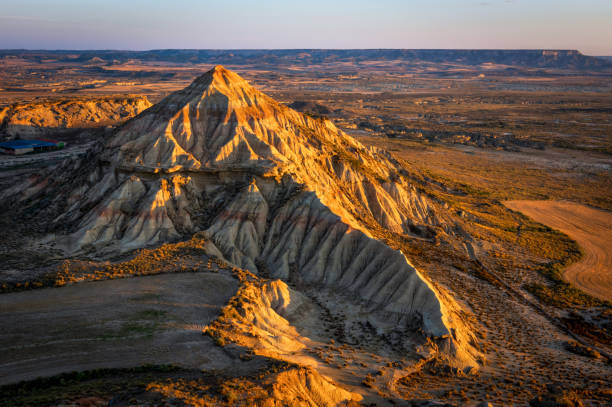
[(116, 323), (591, 228)]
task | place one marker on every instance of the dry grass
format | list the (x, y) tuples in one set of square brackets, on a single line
[(185, 256), (531, 174)]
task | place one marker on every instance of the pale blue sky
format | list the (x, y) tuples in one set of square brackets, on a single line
[(152, 24)]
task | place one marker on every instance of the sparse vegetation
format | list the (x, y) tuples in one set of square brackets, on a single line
[(368, 381), (99, 384), (147, 385), (182, 257), (555, 395), (222, 330), (580, 349)]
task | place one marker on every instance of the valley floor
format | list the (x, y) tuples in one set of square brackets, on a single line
[(114, 323)]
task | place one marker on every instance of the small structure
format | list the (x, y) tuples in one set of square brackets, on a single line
[(19, 147)]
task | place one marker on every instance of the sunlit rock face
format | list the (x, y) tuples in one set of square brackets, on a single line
[(31, 120), (279, 193)]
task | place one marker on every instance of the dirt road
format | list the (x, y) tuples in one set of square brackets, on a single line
[(115, 323), (591, 228)]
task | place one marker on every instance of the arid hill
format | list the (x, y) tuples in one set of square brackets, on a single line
[(278, 193), (44, 119)]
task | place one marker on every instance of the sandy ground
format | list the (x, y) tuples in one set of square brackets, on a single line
[(115, 323), (591, 228)]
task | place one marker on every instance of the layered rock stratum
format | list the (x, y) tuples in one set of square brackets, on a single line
[(286, 196)]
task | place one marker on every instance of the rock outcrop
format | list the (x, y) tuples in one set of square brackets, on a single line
[(282, 194)]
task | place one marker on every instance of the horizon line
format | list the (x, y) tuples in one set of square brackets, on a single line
[(290, 49)]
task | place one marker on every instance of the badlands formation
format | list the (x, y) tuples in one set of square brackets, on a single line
[(297, 209), (30, 120)]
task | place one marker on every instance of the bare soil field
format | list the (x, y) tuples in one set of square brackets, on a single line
[(591, 228), (115, 323)]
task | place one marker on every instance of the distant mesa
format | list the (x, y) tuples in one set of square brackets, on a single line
[(543, 59)]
